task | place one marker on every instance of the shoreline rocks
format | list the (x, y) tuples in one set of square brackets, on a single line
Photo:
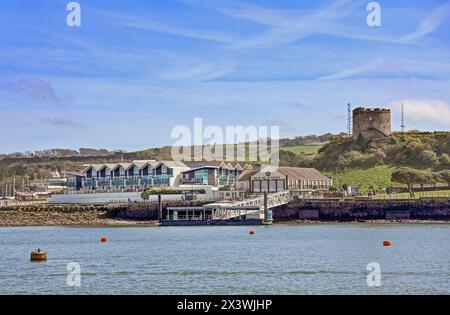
[(358, 210), (297, 212)]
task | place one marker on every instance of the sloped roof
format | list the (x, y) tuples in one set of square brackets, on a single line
[(140, 165), (113, 166), (110, 166), (131, 165), (247, 175), (248, 167), (76, 173), (172, 164), (124, 165), (302, 173), (96, 167), (143, 163)]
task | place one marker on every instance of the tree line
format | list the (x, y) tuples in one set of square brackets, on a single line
[(411, 177)]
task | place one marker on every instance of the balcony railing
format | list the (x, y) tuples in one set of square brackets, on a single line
[(193, 181), (227, 180), (127, 181)]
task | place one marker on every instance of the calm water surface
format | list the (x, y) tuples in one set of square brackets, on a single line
[(315, 259)]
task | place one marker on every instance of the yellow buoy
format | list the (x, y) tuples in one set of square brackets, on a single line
[(38, 256)]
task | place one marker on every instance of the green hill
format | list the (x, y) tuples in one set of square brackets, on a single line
[(371, 163), (351, 162), (417, 150), (307, 149)]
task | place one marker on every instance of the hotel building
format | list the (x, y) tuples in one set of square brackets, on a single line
[(229, 179), (125, 177)]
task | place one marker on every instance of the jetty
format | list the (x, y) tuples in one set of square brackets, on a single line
[(251, 211)]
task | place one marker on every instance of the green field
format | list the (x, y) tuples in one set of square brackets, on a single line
[(379, 176), (308, 149)]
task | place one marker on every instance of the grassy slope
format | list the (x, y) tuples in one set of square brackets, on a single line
[(379, 176), (309, 149)]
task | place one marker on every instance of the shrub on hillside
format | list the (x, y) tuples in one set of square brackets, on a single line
[(444, 161), (445, 176), (429, 158)]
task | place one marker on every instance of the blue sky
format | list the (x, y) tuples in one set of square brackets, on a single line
[(136, 69)]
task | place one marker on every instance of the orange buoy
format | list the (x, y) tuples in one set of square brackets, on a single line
[(387, 243), (103, 239), (38, 255), (251, 232)]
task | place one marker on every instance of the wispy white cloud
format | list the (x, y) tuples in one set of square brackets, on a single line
[(428, 25), (62, 122), (142, 23), (424, 110), (284, 26), (348, 73), (395, 67), (295, 105), (198, 72), (36, 89)]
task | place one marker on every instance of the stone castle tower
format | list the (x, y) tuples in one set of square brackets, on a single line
[(371, 123)]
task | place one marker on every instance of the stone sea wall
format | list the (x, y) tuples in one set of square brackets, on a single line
[(147, 212), (351, 210)]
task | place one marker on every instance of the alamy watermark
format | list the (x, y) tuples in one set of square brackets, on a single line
[(374, 17), (233, 143), (74, 16), (374, 277), (74, 277)]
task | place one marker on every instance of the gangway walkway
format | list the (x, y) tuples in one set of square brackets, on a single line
[(251, 208)]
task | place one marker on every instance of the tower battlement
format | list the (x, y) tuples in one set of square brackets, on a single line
[(371, 123), (371, 110)]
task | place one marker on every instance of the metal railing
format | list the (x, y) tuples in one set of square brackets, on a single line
[(224, 211), (126, 181)]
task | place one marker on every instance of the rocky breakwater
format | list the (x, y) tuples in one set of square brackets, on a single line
[(86, 215), (432, 209), (49, 215)]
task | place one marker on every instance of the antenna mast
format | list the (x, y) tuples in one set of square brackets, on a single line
[(403, 120), (349, 119)]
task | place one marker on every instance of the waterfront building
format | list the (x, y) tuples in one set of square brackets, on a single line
[(125, 177), (74, 181), (217, 174), (57, 183), (243, 182), (229, 180), (273, 179)]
